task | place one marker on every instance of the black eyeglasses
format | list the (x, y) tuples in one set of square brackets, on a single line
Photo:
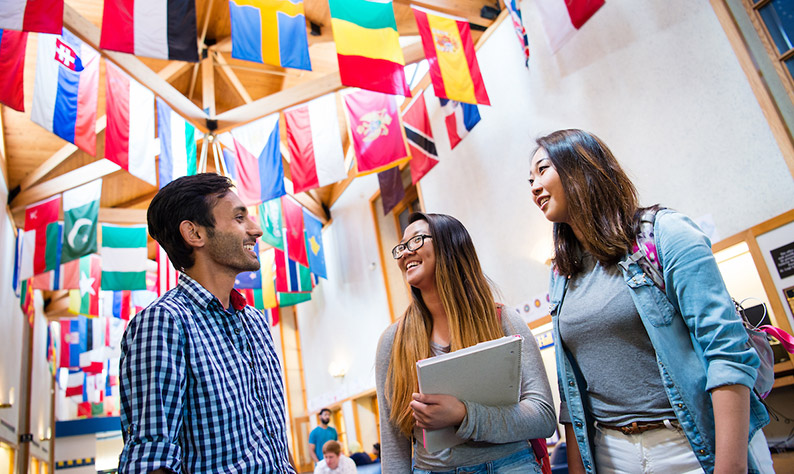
[(414, 243)]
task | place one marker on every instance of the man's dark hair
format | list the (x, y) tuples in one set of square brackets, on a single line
[(189, 198), (325, 410)]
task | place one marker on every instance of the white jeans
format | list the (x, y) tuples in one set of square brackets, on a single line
[(660, 451)]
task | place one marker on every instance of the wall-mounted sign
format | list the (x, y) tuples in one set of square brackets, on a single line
[(784, 260)]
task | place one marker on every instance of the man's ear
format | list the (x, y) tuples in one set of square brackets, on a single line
[(192, 234)]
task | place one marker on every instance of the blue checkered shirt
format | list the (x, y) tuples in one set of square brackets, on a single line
[(201, 388)]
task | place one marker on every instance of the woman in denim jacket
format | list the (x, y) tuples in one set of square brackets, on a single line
[(653, 377)]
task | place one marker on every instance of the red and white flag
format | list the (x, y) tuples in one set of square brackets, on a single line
[(152, 28), (129, 136), (562, 18), (167, 276), (315, 146), (43, 16), (38, 217)]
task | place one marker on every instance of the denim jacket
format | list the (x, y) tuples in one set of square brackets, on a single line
[(699, 340)]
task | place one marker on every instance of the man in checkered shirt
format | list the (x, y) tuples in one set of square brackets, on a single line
[(201, 386)]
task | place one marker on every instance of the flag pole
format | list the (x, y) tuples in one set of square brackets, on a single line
[(202, 167)]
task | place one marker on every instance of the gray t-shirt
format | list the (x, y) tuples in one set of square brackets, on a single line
[(600, 326), (493, 432)]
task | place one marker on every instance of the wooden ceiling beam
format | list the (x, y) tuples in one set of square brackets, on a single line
[(297, 94), (64, 182), (228, 74), (208, 85), (467, 9), (133, 66)]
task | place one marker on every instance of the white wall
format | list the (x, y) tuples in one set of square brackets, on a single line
[(11, 320), (657, 81)]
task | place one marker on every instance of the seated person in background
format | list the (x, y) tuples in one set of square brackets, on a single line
[(375, 454), (334, 461), (357, 455)]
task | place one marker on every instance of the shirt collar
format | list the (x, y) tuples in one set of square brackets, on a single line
[(204, 298)]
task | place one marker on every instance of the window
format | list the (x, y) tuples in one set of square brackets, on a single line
[(774, 20)]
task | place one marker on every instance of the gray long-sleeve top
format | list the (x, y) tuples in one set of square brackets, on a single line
[(492, 432)]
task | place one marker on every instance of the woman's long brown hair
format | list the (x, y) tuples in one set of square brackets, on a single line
[(467, 300), (602, 200)]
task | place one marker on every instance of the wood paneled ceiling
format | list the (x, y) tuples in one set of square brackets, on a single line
[(38, 164)]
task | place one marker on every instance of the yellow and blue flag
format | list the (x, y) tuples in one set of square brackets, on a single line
[(270, 32)]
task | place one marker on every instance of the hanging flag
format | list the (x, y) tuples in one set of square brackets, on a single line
[(53, 346), (270, 222), (116, 304), (26, 302), (43, 16), (12, 68), (74, 385), (514, 8), (86, 299), (375, 130), (151, 28), (420, 138), (260, 173), (51, 279), (129, 136), (367, 46), (230, 162), (80, 215), (315, 147), (293, 281), (91, 362), (66, 88), (460, 119), (268, 270), (561, 19), (293, 221), (450, 54), (123, 257), (40, 221), (167, 275), (64, 277), (270, 32), (70, 343), (273, 315), (391, 188), (177, 144), (314, 244)]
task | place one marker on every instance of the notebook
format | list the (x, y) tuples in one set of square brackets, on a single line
[(488, 373)]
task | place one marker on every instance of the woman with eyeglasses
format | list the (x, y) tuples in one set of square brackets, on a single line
[(654, 368), (453, 307)]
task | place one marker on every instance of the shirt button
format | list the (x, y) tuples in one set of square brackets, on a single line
[(680, 405), (578, 424), (571, 383), (237, 330), (702, 451)]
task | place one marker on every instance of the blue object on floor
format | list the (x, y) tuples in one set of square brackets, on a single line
[(559, 459)]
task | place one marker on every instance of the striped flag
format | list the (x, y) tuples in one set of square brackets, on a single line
[(177, 144), (315, 147), (12, 68), (270, 32), (151, 28), (43, 16), (454, 69), (420, 138), (86, 299), (514, 7), (167, 275), (562, 18), (460, 118), (367, 46), (123, 257), (375, 128), (75, 381), (66, 88), (70, 343), (129, 136), (117, 304), (294, 238)]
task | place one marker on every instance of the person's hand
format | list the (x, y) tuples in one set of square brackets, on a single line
[(437, 411)]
